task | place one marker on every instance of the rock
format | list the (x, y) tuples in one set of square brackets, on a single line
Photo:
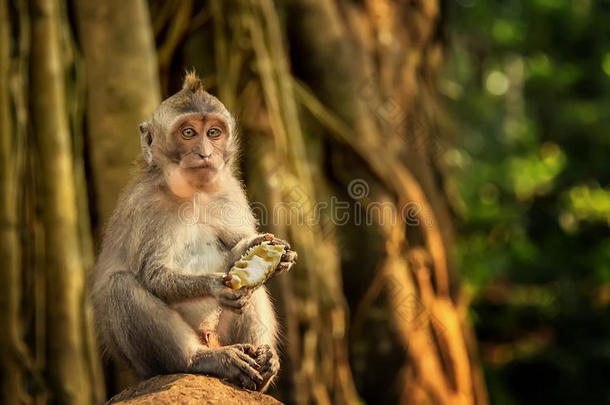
[(189, 389)]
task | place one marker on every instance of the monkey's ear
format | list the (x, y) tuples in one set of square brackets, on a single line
[(146, 140), (192, 82)]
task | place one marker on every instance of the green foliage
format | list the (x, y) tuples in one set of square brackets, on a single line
[(529, 85)]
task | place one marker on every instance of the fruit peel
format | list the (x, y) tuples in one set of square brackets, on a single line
[(256, 265)]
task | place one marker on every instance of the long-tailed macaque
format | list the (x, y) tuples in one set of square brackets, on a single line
[(158, 286)]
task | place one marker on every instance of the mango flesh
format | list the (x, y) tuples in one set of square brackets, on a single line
[(256, 265)]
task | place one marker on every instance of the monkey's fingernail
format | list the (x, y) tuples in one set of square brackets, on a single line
[(269, 236)]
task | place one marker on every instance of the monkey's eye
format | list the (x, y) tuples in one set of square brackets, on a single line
[(188, 132), (214, 132)]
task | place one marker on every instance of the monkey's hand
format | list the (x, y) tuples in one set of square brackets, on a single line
[(268, 364), (233, 300), (288, 259), (236, 363)]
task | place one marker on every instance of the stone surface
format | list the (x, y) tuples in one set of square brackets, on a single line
[(189, 389)]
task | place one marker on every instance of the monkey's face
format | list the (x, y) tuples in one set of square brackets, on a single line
[(190, 137), (197, 152), (201, 144)]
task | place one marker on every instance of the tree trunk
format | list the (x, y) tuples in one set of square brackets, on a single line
[(336, 103), (363, 76), (122, 91), (12, 347), (374, 67), (68, 368)]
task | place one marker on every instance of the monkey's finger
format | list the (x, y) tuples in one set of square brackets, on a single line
[(226, 280), (233, 295), (269, 369), (225, 297), (264, 369), (263, 358), (230, 296), (239, 304), (266, 378), (236, 305), (262, 362), (267, 375), (247, 348), (260, 239), (245, 382), (249, 372), (262, 349), (229, 307), (245, 292), (248, 359), (233, 302), (277, 241), (282, 268), (290, 256)]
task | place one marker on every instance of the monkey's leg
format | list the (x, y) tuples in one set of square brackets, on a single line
[(156, 340), (256, 325)]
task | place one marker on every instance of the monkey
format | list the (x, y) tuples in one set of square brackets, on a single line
[(158, 287)]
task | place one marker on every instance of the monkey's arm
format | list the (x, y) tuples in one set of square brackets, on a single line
[(171, 286)]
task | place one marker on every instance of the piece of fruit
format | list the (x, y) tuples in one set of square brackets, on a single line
[(255, 266)]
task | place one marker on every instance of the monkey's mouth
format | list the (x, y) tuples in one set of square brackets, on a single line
[(201, 166)]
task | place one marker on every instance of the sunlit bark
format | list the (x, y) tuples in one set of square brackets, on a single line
[(67, 345), (12, 347), (326, 92), (122, 90)]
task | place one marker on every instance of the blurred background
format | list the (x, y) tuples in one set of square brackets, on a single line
[(445, 163)]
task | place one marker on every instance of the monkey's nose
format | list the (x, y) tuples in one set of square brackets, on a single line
[(202, 156)]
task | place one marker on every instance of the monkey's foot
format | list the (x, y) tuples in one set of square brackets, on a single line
[(268, 365)]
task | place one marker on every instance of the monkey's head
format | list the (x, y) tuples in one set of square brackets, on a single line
[(190, 138)]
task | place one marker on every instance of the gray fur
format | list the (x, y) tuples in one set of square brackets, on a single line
[(159, 278)]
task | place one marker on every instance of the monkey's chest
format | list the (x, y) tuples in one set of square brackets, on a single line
[(199, 252)]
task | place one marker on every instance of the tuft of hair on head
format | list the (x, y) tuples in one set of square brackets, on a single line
[(192, 82)]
